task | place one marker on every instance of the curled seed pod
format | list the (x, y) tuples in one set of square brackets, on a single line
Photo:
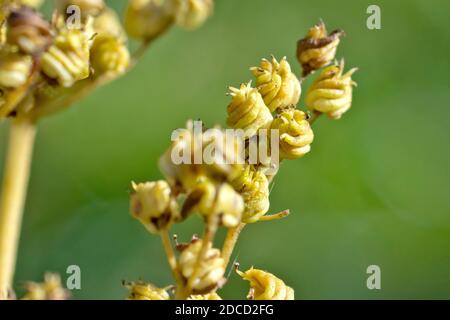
[(67, 59), (265, 286), (50, 289), (247, 110), (253, 186), (88, 8), (331, 92), (211, 199), (14, 69), (191, 14), (211, 269), (146, 291), (146, 19), (295, 133), (28, 30), (109, 55), (278, 86), (208, 296), (153, 205), (318, 48)]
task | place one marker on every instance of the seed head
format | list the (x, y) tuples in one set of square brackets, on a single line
[(191, 14), (15, 69), (50, 289), (146, 291)]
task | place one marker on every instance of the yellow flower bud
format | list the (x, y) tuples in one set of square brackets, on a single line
[(210, 199), (278, 86), (67, 60), (50, 289), (87, 7), (295, 133), (153, 205), (211, 269), (28, 30), (146, 19), (331, 92), (14, 69), (208, 296), (318, 48), (146, 291), (253, 186), (265, 286), (109, 55), (247, 110), (191, 14)]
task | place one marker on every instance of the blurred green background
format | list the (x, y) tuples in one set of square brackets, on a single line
[(374, 189)]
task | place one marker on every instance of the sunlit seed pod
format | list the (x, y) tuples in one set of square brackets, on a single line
[(109, 55), (318, 48), (146, 19), (28, 30), (146, 291), (67, 59), (31, 3), (211, 269), (253, 186), (15, 69), (108, 23), (88, 8), (277, 84), (153, 205), (50, 289), (266, 286), (331, 92), (190, 14), (208, 296), (295, 133), (210, 199), (247, 110)]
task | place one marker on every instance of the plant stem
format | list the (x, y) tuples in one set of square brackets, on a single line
[(230, 242), (167, 244), (314, 117), (15, 182)]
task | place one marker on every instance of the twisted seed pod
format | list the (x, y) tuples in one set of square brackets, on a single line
[(211, 199), (253, 186), (153, 205), (211, 269), (88, 8), (146, 291), (331, 92), (67, 60), (265, 286), (208, 296), (14, 69), (318, 48), (278, 86), (295, 133), (191, 14), (28, 30), (247, 110), (109, 55), (50, 289), (146, 19)]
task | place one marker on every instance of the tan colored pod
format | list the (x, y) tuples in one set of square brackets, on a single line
[(146, 291), (266, 286)]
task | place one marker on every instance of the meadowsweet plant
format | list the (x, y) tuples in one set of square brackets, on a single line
[(47, 66), (232, 194)]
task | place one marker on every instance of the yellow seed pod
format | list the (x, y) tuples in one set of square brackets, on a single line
[(28, 30), (253, 186), (31, 3), (318, 48), (331, 92), (88, 8), (208, 296), (211, 269), (153, 205), (294, 131), (108, 23), (211, 199), (278, 86), (146, 291), (247, 110), (146, 19), (50, 289), (191, 14), (109, 55), (265, 286), (67, 60), (14, 69)]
